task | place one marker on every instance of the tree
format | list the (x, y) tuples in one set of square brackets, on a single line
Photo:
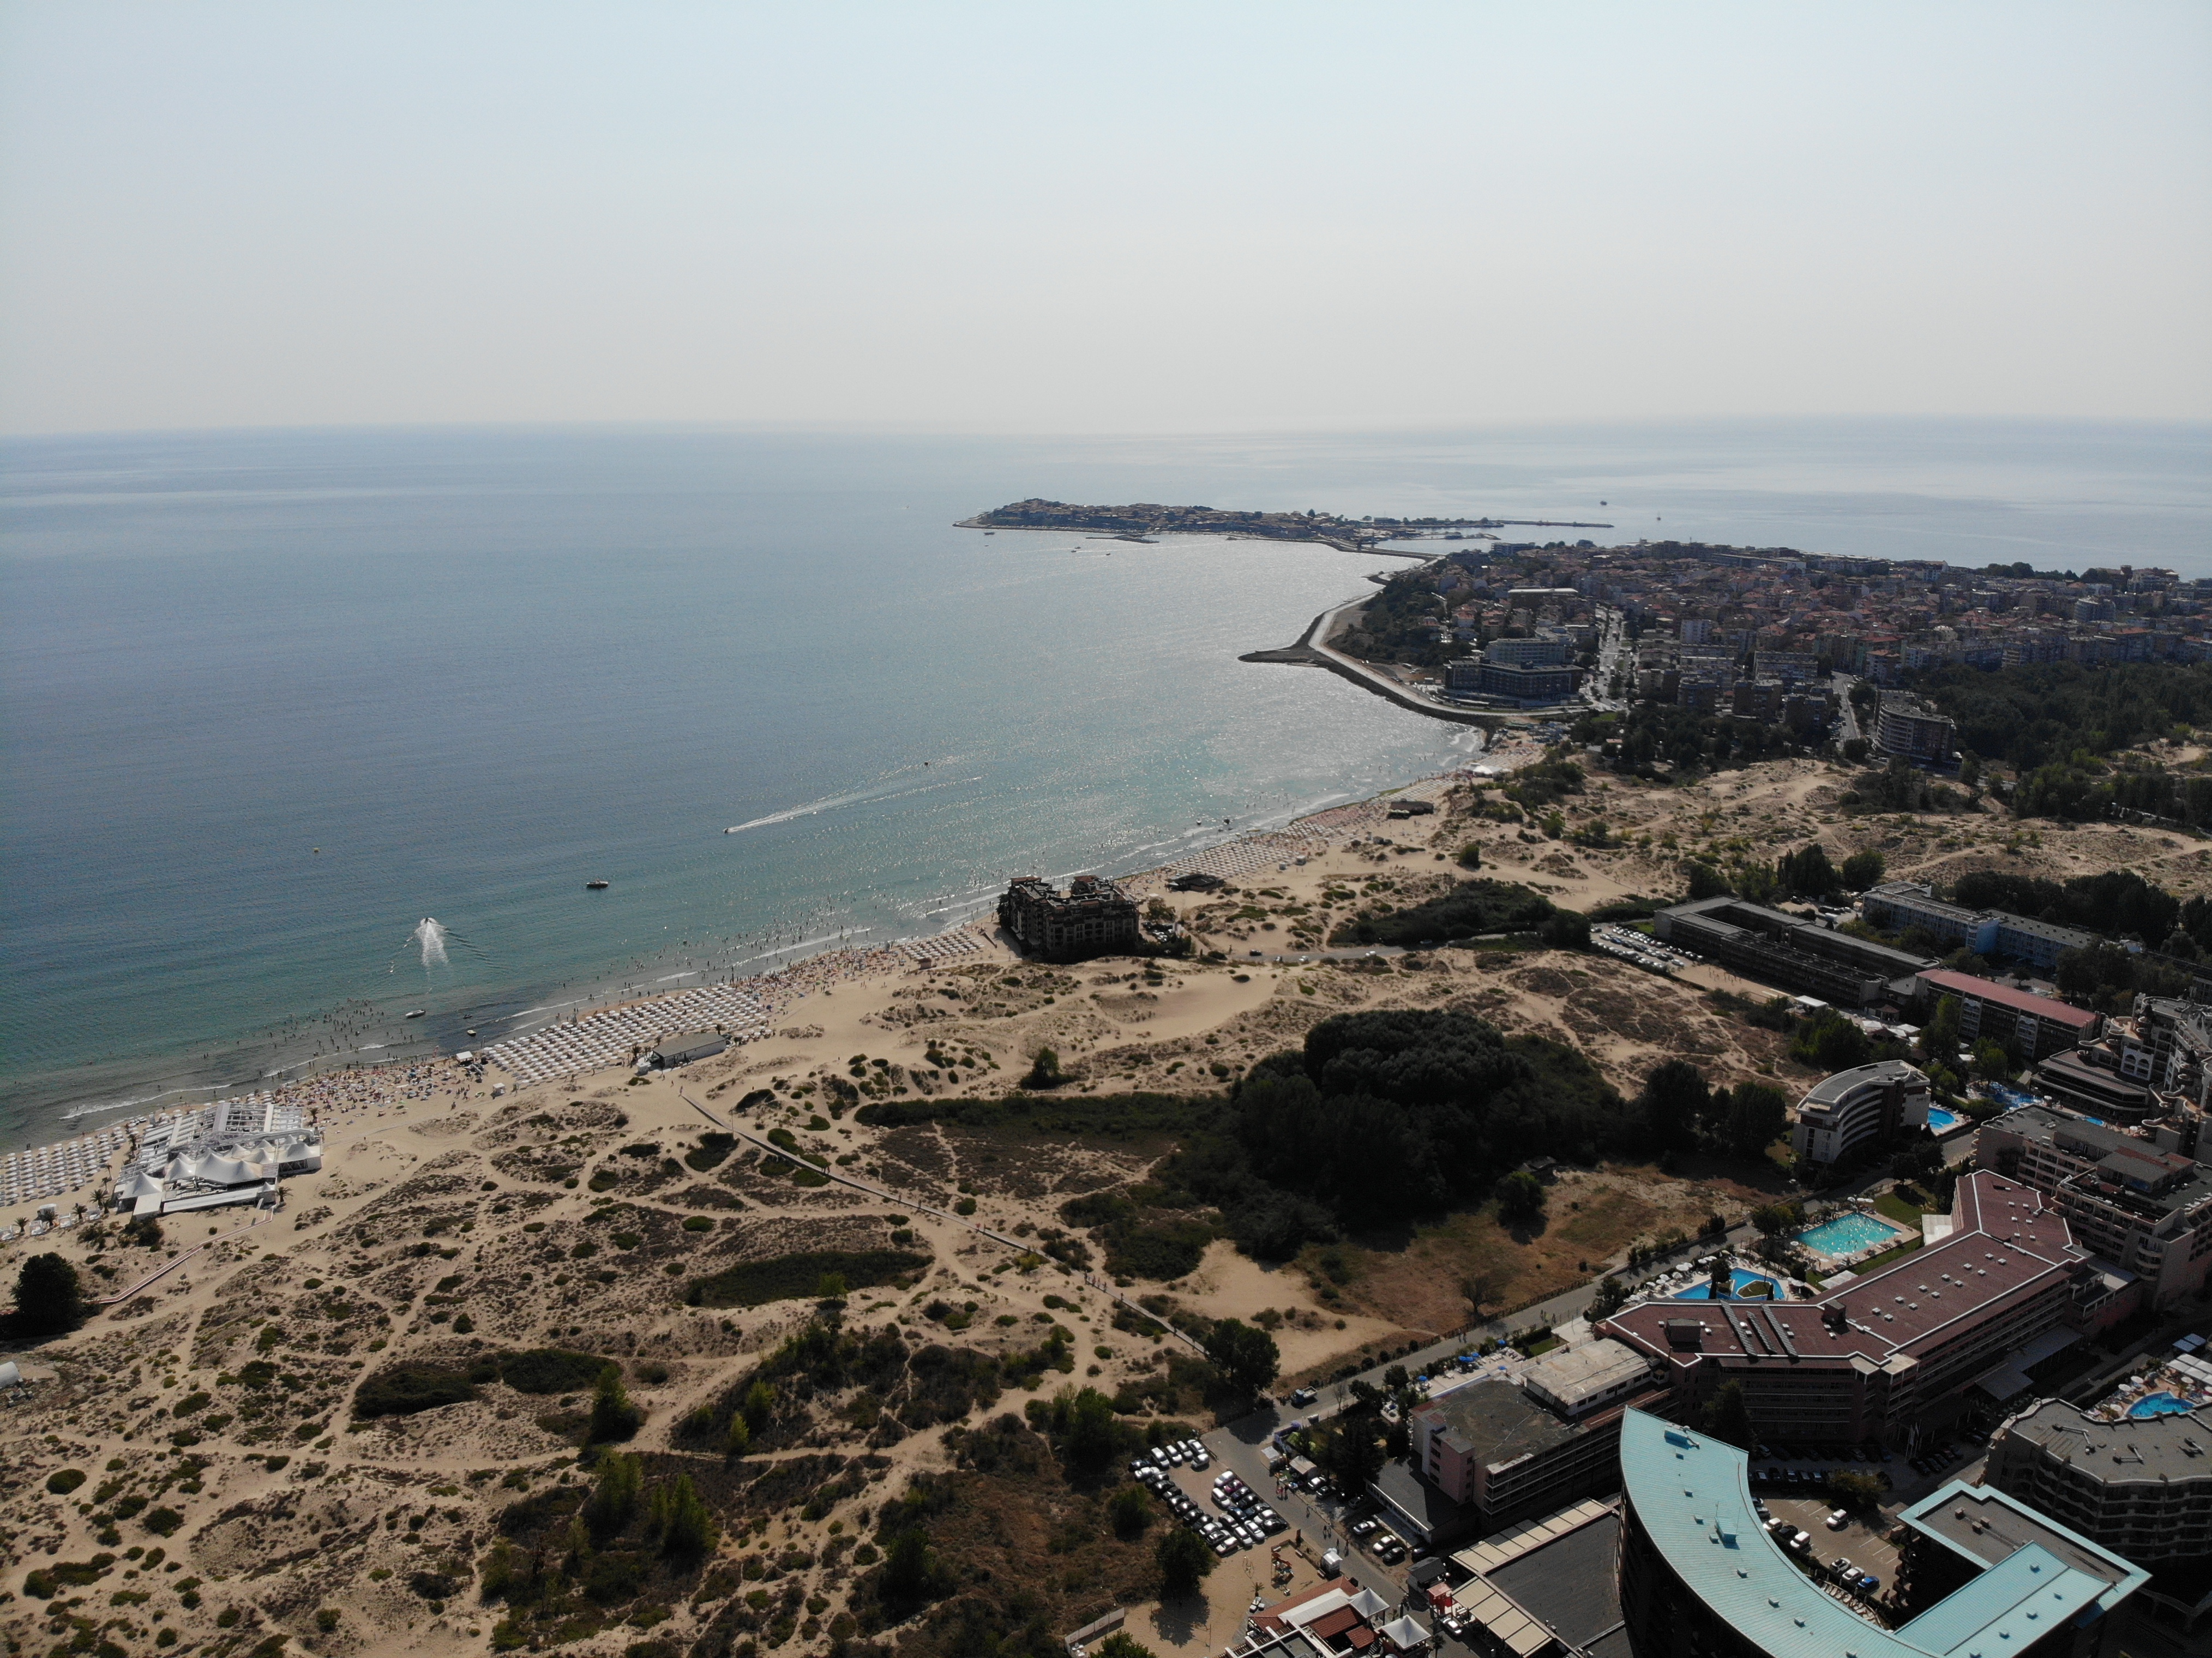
[(1563, 929), (1775, 1219), (1089, 1434), (1131, 1511), (740, 1438), (1807, 872), (1728, 1419), (613, 1501), (1992, 1062), (48, 1300), (1674, 1100), (613, 1416), (1356, 1452), (682, 1521), (1939, 1037), (1184, 1561), (1044, 1070), (1246, 1356), (1757, 1114), (1521, 1199), (1865, 869), (1705, 881), (830, 1288), (913, 1574), (1861, 1493), (1470, 855)]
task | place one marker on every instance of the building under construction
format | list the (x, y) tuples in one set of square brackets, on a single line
[(1093, 917)]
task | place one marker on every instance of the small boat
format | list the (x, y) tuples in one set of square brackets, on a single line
[(416, 1013), (470, 1031), (595, 886)]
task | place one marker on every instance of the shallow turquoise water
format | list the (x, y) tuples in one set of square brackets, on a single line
[(2159, 1404), (1847, 1235), (1743, 1280), (1939, 1120)]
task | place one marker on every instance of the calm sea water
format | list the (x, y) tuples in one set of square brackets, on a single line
[(271, 699)]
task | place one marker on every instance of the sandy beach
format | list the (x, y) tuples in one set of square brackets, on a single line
[(450, 1225)]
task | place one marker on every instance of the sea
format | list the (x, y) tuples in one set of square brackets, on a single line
[(270, 701)]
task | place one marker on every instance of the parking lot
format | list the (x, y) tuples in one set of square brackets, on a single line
[(1231, 1515), (1857, 1541)]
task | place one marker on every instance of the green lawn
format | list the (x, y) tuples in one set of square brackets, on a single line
[(1898, 1209)]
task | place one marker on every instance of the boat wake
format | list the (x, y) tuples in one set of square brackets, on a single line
[(857, 798)]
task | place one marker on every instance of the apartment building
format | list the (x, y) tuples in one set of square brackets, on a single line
[(1895, 906), (1508, 1451), (1854, 1109), (2141, 1487), (2145, 1211), (1796, 955), (2032, 1027), (1908, 729)]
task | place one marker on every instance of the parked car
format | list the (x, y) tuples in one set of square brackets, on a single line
[(1838, 1520), (1869, 1584), (1801, 1540), (1303, 1397)]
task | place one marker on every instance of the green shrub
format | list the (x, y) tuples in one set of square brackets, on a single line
[(64, 1481), (403, 1390), (790, 1278), (552, 1370)]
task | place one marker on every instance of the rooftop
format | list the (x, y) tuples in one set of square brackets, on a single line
[(2007, 1244), (1991, 1528), (1568, 1582), (1575, 1377), (2139, 1450), (1833, 1089), (1495, 1422), (2021, 1001), (1692, 1495)]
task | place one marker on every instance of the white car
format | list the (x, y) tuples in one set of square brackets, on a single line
[(1839, 1520)]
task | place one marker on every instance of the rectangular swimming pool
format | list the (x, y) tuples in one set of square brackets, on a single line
[(1846, 1235)]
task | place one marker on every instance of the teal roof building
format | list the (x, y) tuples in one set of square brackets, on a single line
[(1986, 1575)]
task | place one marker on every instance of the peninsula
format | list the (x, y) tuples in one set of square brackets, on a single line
[(1148, 519)]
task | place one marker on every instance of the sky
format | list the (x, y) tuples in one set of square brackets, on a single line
[(1124, 216)]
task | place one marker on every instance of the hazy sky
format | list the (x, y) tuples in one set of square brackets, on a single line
[(1120, 216)]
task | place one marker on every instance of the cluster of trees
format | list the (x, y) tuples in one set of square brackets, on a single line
[(1806, 872), (1388, 1112), (2118, 901), (2065, 716), (607, 1548), (1649, 734), (1401, 624), (1684, 1112)]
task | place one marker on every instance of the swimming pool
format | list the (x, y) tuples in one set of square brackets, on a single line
[(2159, 1404), (1941, 1121), (1846, 1235), (1742, 1281)]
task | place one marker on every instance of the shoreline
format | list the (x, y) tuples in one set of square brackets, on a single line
[(72, 1120)]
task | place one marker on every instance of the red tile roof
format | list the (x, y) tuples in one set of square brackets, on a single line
[(2021, 1001)]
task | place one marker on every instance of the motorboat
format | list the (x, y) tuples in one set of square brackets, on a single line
[(595, 886), (416, 1013)]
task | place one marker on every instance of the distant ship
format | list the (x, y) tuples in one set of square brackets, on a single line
[(594, 886), (416, 1012)]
